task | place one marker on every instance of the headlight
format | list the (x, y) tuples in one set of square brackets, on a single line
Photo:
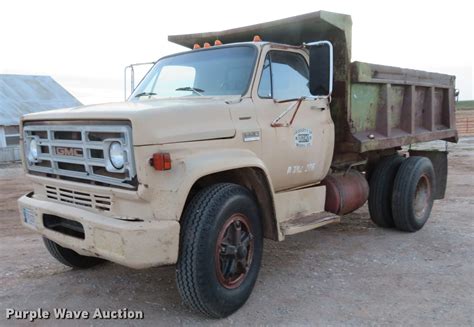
[(33, 150), (116, 155)]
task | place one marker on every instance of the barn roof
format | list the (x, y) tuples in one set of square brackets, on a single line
[(23, 94)]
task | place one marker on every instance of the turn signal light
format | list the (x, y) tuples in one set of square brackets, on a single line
[(161, 161)]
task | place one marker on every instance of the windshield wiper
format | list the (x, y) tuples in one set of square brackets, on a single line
[(144, 94), (196, 90)]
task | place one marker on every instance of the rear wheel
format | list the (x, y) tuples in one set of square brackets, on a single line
[(69, 257), (380, 192), (413, 191), (220, 251)]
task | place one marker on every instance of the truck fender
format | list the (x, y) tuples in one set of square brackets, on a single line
[(205, 164)]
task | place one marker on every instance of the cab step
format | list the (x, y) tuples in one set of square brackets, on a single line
[(312, 221)]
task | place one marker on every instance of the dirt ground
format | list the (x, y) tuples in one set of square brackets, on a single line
[(350, 273)]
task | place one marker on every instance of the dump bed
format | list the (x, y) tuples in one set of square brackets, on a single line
[(391, 106), (374, 107)]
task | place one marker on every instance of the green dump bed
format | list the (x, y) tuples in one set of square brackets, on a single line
[(374, 107), (391, 106)]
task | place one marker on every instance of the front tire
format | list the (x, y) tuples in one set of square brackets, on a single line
[(69, 257), (221, 250), (413, 191)]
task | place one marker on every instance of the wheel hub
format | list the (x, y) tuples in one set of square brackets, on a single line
[(241, 252), (422, 196), (234, 251)]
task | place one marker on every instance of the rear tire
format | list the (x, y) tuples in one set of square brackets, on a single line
[(220, 251), (69, 257), (380, 192), (413, 192)]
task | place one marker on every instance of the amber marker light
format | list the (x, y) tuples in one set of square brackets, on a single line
[(161, 161)]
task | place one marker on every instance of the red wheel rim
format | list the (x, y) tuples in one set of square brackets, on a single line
[(234, 251), (422, 197)]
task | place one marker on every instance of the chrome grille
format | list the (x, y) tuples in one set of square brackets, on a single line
[(95, 201), (80, 152)]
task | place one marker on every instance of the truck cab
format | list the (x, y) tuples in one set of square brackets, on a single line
[(222, 146), (266, 88)]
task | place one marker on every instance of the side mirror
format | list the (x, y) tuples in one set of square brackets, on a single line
[(320, 68)]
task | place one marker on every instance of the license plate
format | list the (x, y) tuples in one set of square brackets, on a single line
[(29, 217)]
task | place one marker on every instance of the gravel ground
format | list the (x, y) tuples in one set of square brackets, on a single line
[(350, 273)]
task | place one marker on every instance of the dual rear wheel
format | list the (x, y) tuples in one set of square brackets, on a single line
[(401, 193)]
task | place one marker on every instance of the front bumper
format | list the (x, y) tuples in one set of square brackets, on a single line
[(135, 244)]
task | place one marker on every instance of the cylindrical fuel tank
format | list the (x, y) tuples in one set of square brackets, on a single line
[(345, 192)]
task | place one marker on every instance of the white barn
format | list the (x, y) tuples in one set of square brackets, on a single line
[(22, 94)]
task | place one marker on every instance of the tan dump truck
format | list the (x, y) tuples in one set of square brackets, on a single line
[(270, 132)]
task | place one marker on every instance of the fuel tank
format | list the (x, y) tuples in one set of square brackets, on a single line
[(345, 192)]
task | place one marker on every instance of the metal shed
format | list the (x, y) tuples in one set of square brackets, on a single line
[(23, 94)]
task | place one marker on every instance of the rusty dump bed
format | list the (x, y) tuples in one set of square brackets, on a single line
[(374, 107), (391, 106)]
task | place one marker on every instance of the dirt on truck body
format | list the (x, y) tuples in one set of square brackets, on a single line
[(222, 146)]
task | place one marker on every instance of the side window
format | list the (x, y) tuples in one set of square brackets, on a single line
[(12, 135), (286, 76)]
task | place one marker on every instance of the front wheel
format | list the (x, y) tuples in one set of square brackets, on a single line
[(221, 250), (69, 257)]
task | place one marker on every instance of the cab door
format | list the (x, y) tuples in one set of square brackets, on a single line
[(297, 147)]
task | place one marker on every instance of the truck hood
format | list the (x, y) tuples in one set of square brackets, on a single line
[(157, 121)]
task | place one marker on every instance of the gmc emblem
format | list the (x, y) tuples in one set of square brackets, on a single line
[(72, 152)]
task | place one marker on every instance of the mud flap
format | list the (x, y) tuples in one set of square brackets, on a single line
[(439, 159)]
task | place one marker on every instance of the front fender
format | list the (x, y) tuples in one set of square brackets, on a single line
[(167, 191)]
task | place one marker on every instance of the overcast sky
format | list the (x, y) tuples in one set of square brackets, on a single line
[(86, 44)]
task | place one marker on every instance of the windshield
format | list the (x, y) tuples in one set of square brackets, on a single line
[(218, 71)]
